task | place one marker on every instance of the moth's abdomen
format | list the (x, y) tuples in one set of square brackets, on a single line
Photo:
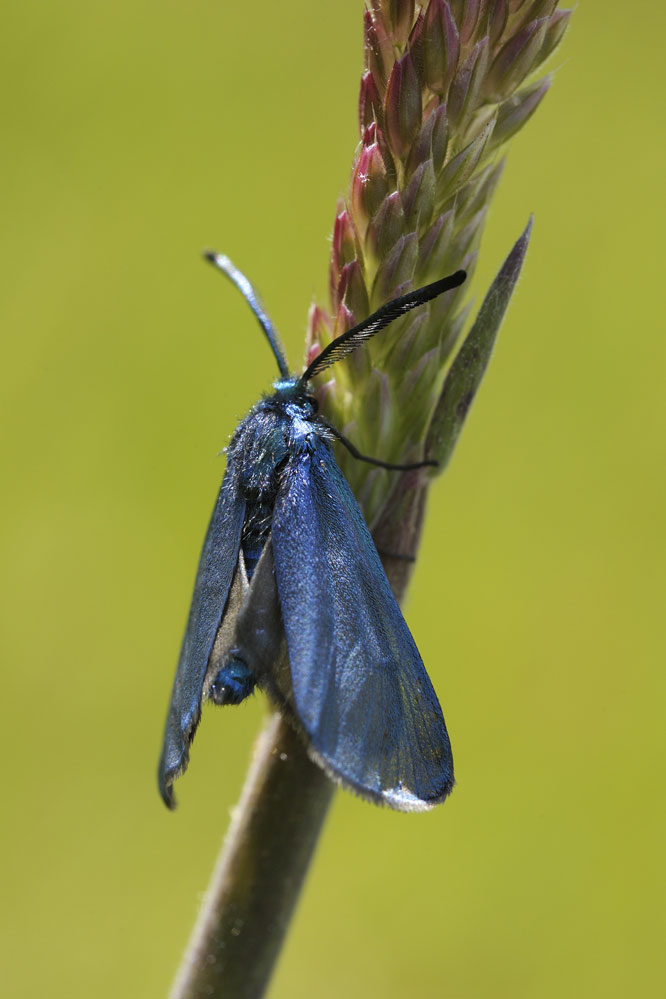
[(256, 528)]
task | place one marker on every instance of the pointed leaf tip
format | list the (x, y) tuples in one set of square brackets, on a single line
[(469, 366)]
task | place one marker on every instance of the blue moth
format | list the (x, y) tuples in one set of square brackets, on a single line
[(291, 596)]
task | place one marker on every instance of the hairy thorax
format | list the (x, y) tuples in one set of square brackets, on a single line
[(276, 430)]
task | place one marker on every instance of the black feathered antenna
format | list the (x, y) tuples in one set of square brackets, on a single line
[(347, 342), (249, 294)]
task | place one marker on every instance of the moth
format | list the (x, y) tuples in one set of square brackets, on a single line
[(291, 596)]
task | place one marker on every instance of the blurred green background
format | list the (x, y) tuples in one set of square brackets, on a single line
[(134, 135)]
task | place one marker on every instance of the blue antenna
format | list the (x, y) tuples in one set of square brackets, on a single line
[(223, 264)]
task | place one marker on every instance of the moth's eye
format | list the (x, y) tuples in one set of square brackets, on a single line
[(312, 399)]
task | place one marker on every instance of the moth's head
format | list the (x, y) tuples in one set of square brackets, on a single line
[(292, 390)]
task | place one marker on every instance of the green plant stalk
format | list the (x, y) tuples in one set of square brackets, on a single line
[(445, 85), (275, 827), (260, 871)]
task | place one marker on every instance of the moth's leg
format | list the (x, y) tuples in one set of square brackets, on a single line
[(233, 682), (355, 453)]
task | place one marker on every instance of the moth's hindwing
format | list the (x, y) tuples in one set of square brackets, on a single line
[(259, 635), (218, 563), (360, 689)]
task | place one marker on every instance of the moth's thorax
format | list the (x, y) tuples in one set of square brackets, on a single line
[(280, 426)]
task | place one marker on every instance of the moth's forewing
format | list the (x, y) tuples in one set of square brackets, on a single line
[(216, 570), (360, 690)]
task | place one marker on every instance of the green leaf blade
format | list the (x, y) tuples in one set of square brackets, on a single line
[(469, 366)]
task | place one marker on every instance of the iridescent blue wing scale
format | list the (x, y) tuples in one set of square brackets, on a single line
[(211, 590), (361, 692)]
